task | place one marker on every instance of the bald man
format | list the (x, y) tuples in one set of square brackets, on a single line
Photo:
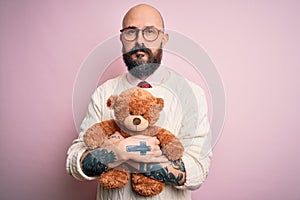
[(143, 37)]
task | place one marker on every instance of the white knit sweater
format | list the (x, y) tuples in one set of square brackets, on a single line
[(184, 114)]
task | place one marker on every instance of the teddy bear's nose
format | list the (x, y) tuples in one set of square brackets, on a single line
[(136, 121)]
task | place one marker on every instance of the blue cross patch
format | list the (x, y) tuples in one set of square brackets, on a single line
[(142, 148)]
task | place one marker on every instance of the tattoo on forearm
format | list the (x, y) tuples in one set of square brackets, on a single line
[(156, 170), (96, 161), (160, 173)]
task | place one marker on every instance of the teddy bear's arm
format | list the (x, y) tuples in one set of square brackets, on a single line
[(97, 133), (171, 146)]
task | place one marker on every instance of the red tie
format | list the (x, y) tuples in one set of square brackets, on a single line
[(144, 84)]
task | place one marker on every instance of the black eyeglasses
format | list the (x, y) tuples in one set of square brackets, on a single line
[(150, 33)]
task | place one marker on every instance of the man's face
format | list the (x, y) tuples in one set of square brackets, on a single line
[(141, 56)]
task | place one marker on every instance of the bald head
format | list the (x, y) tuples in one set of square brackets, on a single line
[(143, 15)]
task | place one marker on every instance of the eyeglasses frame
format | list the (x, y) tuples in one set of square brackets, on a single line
[(143, 29)]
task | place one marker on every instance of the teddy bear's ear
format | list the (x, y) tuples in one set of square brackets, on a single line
[(160, 102), (111, 101)]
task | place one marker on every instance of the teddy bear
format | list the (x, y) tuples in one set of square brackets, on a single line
[(135, 113)]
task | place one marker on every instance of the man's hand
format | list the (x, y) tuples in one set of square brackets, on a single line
[(139, 148), (145, 156)]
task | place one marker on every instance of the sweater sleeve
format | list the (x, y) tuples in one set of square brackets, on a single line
[(195, 136), (73, 160), (78, 147)]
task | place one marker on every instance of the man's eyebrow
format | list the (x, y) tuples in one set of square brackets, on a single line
[(134, 27), (131, 27)]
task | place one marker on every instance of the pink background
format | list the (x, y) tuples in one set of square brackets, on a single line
[(255, 46)]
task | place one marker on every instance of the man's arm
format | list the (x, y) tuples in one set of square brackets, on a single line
[(195, 135), (97, 161), (78, 148), (172, 172), (111, 155), (115, 151)]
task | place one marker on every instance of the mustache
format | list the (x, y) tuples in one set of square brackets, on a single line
[(141, 48)]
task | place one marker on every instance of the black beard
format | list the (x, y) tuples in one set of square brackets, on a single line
[(140, 68)]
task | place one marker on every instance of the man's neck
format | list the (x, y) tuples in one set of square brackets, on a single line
[(142, 78), (159, 76)]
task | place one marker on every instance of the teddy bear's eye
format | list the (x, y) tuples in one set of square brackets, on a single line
[(131, 113), (142, 114)]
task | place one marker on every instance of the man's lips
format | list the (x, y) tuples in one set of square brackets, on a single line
[(137, 51), (140, 54)]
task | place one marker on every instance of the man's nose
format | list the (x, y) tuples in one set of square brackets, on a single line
[(140, 38)]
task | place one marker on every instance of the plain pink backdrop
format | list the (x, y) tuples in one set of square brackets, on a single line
[(254, 44)]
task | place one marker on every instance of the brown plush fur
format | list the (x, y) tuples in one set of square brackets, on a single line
[(141, 103)]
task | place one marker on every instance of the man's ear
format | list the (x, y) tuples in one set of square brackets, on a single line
[(111, 101), (165, 40), (121, 38), (160, 103)]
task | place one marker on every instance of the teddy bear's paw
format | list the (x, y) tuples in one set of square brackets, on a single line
[(146, 186), (114, 179), (174, 150), (93, 137)]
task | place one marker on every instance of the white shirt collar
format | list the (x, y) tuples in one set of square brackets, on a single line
[(158, 77)]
